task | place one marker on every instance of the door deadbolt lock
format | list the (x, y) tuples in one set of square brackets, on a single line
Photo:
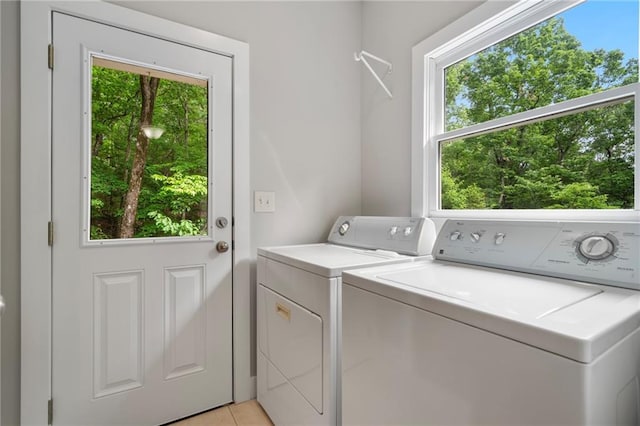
[(222, 222), (222, 246)]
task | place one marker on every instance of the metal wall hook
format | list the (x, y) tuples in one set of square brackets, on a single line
[(362, 57)]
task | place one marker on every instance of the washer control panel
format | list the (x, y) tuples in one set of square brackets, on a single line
[(405, 235), (599, 252)]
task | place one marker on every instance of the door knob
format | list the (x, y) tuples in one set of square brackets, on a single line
[(1, 305), (222, 246)]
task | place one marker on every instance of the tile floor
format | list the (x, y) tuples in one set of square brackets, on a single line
[(248, 413)]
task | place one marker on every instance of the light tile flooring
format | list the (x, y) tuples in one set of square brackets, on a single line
[(248, 413)]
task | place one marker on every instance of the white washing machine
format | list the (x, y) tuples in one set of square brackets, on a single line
[(552, 337), (298, 305)]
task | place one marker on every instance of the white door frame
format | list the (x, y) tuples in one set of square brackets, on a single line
[(0, 222), (35, 191)]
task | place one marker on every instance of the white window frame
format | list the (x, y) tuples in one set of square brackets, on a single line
[(482, 27)]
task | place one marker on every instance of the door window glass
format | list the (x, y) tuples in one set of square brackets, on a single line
[(149, 145)]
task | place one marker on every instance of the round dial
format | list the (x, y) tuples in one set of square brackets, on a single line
[(344, 228), (596, 247), (455, 235)]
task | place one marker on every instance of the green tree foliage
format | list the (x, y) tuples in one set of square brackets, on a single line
[(584, 160), (173, 197), (455, 197)]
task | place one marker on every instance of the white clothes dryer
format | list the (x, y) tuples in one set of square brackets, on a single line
[(511, 323), (298, 306)]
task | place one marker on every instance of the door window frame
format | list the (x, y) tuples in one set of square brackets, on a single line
[(0, 218), (36, 185), (87, 158)]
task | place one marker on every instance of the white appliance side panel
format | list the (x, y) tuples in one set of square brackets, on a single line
[(402, 365), (293, 344), (261, 324), (615, 385)]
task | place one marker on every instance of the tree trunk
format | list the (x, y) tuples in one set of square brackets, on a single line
[(127, 155), (148, 89), (97, 144), (185, 107)]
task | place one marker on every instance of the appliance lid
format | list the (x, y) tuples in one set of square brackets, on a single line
[(525, 297), (330, 260), (572, 319)]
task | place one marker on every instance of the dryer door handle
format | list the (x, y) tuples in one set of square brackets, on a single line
[(283, 311)]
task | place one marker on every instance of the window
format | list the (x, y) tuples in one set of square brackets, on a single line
[(149, 152), (520, 111)]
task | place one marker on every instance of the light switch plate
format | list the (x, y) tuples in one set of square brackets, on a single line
[(264, 201)]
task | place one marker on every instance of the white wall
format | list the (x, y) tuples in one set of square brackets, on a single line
[(389, 30), (10, 224)]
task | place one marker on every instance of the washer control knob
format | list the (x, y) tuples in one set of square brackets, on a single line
[(407, 231), (393, 231), (499, 238), (344, 228), (475, 237), (455, 235), (596, 247)]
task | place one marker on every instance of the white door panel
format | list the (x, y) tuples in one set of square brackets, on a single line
[(141, 327)]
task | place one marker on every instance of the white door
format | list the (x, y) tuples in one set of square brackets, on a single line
[(141, 321)]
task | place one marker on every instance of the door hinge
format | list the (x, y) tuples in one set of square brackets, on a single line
[(50, 412), (50, 57), (50, 233)]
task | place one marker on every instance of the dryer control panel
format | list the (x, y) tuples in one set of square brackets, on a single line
[(404, 235), (598, 252)]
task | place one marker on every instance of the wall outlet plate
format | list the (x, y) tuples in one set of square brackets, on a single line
[(264, 201)]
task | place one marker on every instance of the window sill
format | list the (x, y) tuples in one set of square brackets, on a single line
[(551, 214)]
